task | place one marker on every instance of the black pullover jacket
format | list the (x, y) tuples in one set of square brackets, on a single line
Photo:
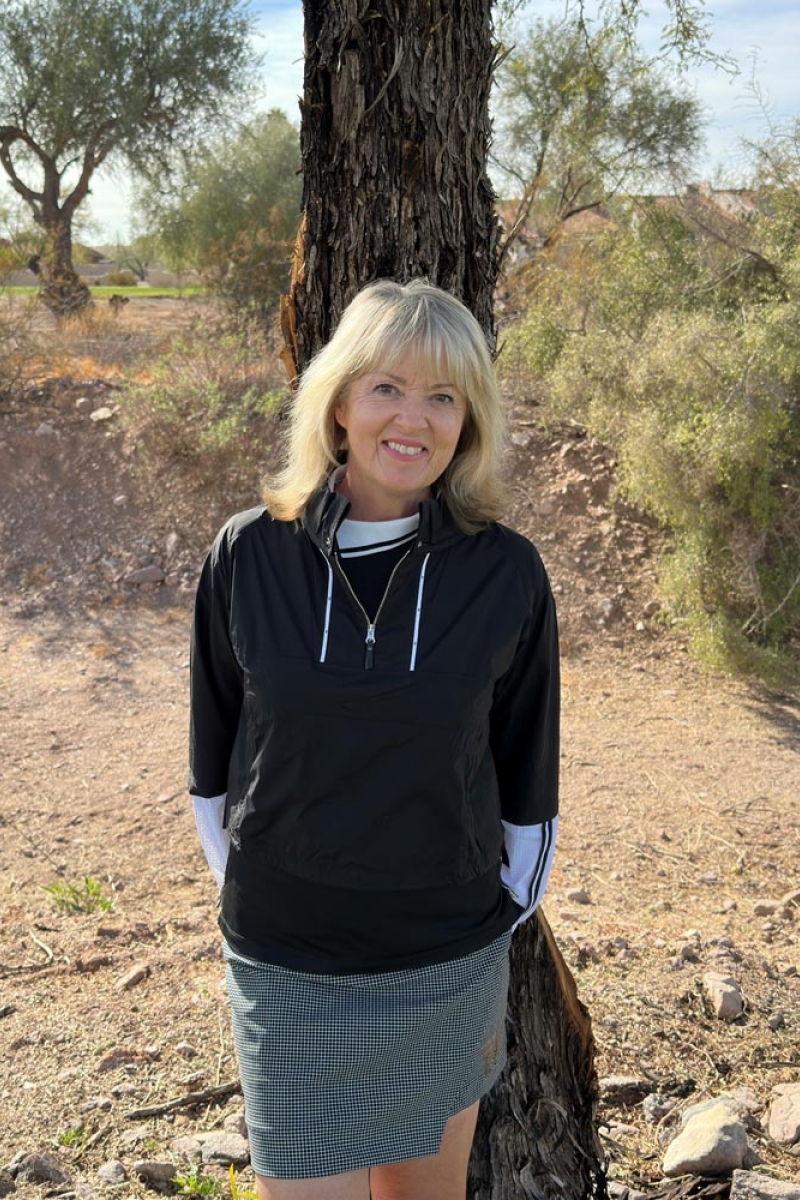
[(373, 756)]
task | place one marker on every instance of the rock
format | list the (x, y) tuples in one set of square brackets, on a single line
[(139, 1133), (776, 1021), (725, 996), (118, 1056), (171, 544), (45, 430), (651, 608), (189, 1148), (152, 573), (112, 1172), (136, 974), (236, 1123), (520, 439), (792, 898), (84, 405), (578, 896), (103, 413), (783, 1123), (748, 1185), (7, 1185), (657, 1106), (154, 1172), (186, 1050), (225, 1149), (37, 1168), (624, 1089), (712, 1142), (766, 908)]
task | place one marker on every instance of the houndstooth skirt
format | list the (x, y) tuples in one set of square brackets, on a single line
[(342, 1072)]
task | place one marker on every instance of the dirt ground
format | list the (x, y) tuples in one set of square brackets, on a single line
[(680, 809)]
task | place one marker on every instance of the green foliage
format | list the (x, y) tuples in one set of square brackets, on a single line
[(676, 337), (74, 898), (83, 82), (74, 1137), (236, 213), (583, 115), (195, 1183), (207, 400)]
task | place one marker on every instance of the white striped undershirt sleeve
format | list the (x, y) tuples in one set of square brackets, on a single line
[(529, 850), (215, 840)]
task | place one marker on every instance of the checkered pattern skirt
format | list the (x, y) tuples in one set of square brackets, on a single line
[(341, 1072)]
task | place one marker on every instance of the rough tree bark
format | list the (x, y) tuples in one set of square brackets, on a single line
[(394, 137), (395, 132), (63, 291)]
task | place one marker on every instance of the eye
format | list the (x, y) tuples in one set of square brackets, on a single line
[(443, 398), (385, 389)]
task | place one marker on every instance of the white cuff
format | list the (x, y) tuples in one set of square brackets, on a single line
[(529, 850), (215, 840)]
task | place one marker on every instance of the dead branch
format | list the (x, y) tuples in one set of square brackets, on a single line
[(220, 1092)]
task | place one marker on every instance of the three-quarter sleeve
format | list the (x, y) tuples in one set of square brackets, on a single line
[(525, 745), (216, 680)]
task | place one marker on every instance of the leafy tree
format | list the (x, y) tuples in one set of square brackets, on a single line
[(85, 82), (583, 116), (237, 210)]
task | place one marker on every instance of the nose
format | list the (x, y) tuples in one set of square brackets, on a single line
[(411, 413)]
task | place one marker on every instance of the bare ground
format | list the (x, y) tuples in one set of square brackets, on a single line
[(680, 809)]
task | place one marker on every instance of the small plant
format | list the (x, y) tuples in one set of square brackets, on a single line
[(235, 1191), (74, 1137), (195, 1183), (69, 897)]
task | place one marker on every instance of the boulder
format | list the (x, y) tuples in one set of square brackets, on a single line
[(712, 1141), (749, 1185)]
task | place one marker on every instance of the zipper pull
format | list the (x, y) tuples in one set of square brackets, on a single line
[(369, 653)]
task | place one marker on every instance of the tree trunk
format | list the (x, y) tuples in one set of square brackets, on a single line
[(394, 139), (63, 292), (537, 1131)]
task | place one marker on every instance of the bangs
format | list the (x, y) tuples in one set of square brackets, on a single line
[(437, 346)]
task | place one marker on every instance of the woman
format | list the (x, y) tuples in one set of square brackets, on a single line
[(374, 753)]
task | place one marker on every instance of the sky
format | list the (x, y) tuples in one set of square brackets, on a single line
[(762, 38)]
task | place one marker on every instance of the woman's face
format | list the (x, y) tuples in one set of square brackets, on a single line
[(403, 427)]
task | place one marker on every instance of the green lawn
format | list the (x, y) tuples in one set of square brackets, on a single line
[(145, 293)]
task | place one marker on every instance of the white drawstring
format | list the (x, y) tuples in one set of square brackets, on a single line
[(412, 664), (324, 649)]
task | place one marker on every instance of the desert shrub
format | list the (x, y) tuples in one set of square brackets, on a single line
[(207, 403), (18, 342), (122, 278), (683, 351)]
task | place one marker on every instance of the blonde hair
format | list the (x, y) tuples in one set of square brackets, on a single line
[(380, 324)]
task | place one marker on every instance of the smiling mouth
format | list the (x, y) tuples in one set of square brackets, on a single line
[(408, 451)]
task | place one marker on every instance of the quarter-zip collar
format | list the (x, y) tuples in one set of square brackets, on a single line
[(326, 510)]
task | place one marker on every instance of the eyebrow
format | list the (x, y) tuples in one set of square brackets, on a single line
[(399, 379)]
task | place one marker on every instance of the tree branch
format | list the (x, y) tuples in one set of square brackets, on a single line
[(9, 134)]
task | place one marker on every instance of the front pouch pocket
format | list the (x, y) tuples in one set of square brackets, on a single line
[(364, 779)]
